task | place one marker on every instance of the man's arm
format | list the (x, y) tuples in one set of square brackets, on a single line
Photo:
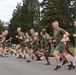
[(66, 36), (9, 39), (35, 38), (20, 38), (2, 40)]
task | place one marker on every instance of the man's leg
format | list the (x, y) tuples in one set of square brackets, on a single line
[(57, 56), (74, 60), (47, 54), (30, 54), (11, 51), (17, 48), (38, 54), (6, 51), (2, 51), (67, 59), (67, 49)]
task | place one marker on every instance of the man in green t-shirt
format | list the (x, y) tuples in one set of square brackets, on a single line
[(46, 45), (34, 45), (27, 40), (59, 50), (2, 41), (22, 44)]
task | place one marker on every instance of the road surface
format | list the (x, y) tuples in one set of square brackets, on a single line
[(12, 66)]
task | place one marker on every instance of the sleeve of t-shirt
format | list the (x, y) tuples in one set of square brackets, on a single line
[(62, 31), (48, 37), (35, 35), (42, 38), (21, 34)]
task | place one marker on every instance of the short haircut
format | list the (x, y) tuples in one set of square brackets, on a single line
[(19, 28), (6, 30), (44, 30), (32, 30), (56, 22)]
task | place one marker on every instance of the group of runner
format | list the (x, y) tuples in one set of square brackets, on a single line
[(5, 41), (37, 46)]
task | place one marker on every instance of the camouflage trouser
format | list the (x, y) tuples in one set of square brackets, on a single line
[(28, 46), (47, 47), (35, 47), (3, 45), (22, 44), (60, 47), (7, 44)]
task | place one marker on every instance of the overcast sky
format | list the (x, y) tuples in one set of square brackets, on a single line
[(7, 7)]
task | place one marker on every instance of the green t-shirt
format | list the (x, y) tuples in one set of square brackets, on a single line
[(29, 38), (23, 37), (32, 37), (3, 40), (58, 34), (45, 38)]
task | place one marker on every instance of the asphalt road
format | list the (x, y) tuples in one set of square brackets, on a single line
[(12, 66)]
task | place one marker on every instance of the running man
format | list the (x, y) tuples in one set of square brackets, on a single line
[(22, 44), (8, 39), (2, 49), (34, 45), (59, 50), (66, 46), (46, 45)]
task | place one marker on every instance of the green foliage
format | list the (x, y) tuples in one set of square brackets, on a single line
[(61, 10), (2, 28)]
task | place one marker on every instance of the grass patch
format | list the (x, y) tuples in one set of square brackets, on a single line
[(52, 50), (70, 47)]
